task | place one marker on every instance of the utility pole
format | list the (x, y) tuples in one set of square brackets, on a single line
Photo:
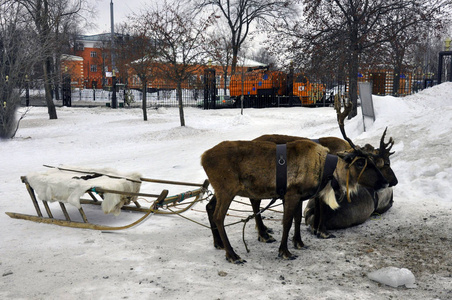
[(114, 102)]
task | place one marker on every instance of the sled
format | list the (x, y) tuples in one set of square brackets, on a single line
[(99, 194)]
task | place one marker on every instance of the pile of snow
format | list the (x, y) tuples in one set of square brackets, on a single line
[(394, 277)]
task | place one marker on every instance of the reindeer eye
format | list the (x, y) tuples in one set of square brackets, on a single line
[(360, 163)]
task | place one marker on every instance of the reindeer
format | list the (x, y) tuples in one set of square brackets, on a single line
[(247, 169)]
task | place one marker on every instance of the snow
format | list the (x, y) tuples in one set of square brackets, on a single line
[(169, 257), (394, 277)]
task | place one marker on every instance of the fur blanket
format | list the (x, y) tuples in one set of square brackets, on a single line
[(69, 187)]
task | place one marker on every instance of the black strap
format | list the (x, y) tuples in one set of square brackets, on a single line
[(328, 170), (281, 169), (329, 167), (328, 174)]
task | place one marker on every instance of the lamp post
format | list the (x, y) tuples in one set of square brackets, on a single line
[(114, 102)]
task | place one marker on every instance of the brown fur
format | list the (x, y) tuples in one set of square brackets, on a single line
[(247, 169)]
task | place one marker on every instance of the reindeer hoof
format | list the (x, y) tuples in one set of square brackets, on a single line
[(325, 235), (267, 239), (298, 244), (237, 260), (268, 230), (287, 255)]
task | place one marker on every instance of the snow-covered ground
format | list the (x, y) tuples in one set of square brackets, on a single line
[(169, 257)]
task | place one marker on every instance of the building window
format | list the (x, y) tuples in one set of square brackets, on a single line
[(93, 54), (93, 68), (79, 47)]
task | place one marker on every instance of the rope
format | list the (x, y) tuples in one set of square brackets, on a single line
[(191, 220), (252, 216)]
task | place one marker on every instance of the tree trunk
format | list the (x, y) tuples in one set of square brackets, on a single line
[(397, 72), (49, 101), (181, 106), (234, 61), (396, 80), (353, 83), (144, 104)]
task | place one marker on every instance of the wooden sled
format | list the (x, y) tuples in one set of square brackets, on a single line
[(163, 204)]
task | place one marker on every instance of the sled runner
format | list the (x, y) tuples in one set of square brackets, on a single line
[(112, 191)]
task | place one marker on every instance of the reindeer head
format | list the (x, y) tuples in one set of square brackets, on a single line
[(382, 159), (360, 163)]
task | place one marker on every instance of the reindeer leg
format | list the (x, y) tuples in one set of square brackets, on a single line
[(223, 202), (321, 228), (290, 204), (315, 223), (210, 208), (263, 231), (297, 242)]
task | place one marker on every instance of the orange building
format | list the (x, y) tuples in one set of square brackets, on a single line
[(95, 51), (73, 67)]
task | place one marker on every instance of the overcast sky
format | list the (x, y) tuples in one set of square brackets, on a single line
[(122, 9)]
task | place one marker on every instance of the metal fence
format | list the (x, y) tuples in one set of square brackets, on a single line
[(257, 93)]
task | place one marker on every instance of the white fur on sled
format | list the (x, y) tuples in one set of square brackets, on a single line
[(63, 186)]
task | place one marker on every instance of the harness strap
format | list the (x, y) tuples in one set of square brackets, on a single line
[(328, 173), (281, 170)]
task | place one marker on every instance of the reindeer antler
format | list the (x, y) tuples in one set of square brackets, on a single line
[(384, 149), (341, 117)]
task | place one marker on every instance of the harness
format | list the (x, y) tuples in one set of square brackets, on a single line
[(281, 172)]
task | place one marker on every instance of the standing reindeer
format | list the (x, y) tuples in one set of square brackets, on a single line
[(248, 169)]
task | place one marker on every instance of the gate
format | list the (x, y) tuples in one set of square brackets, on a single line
[(67, 91), (210, 89), (378, 83)]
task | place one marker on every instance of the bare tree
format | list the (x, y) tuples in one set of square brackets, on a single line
[(178, 36), (47, 16), (410, 28), (359, 24), (17, 58), (241, 14), (219, 49), (138, 54)]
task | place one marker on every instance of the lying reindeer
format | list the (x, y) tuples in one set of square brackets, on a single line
[(247, 169)]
